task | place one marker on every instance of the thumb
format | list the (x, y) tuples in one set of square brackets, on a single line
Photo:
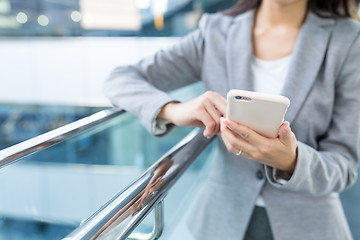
[(285, 133)]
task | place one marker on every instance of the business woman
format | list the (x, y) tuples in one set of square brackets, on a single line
[(263, 188)]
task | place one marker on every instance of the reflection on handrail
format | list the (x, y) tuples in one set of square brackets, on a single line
[(119, 217), (43, 141)]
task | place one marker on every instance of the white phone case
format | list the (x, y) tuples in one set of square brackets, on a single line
[(264, 113)]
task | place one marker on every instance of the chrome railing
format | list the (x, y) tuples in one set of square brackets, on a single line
[(124, 212), (12, 154)]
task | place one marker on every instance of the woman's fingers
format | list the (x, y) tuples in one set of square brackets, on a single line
[(203, 111), (208, 121), (277, 152), (219, 102), (245, 132), (285, 133), (212, 106), (234, 143), (214, 128)]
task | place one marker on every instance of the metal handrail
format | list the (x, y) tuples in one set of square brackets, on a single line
[(18, 151), (118, 218)]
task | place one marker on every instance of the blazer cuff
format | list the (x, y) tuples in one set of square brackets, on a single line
[(150, 112), (278, 176), (282, 179), (159, 126)]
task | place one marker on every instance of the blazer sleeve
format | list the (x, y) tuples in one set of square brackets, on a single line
[(141, 88), (333, 166)]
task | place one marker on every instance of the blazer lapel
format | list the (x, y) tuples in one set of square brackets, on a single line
[(308, 55), (239, 52)]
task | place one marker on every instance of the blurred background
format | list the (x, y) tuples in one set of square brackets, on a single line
[(62, 51), (54, 58), (66, 18)]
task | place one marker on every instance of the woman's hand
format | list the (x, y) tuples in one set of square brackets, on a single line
[(280, 152), (203, 111)]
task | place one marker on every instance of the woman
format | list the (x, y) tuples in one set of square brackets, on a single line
[(262, 188)]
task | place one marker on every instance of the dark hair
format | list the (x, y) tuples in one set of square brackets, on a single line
[(323, 8)]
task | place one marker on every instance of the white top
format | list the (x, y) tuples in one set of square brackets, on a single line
[(269, 77)]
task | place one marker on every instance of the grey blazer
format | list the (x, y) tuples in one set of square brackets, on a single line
[(323, 85)]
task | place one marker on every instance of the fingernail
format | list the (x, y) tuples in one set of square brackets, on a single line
[(227, 124), (221, 120), (206, 135)]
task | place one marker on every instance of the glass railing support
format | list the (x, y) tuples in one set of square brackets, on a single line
[(158, 225)]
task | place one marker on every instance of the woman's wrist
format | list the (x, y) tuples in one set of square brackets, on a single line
[(165, 112), (291, 163)]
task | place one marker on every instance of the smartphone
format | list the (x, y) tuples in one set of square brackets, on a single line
[(264, 113)]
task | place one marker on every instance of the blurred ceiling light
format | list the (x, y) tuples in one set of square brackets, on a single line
[(159, 8), (5, 6), (43, 20), (21, 18), (75, 16), (143, 4), (110, 14)]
